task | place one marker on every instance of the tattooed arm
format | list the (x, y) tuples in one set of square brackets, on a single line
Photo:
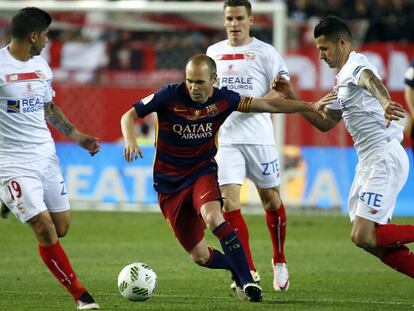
[(369, 81), (56, 118)]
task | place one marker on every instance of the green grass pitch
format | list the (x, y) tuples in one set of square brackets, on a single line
[(327, 272)]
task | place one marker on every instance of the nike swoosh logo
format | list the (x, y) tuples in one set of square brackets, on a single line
[(202, 197), (228, 242)]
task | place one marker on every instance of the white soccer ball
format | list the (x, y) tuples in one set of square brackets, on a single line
[(137, 281)]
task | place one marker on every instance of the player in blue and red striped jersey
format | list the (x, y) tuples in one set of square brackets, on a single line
[(185, 172)]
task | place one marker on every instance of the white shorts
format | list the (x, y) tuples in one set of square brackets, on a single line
[(31, 188), (260, 163), (377, 182)]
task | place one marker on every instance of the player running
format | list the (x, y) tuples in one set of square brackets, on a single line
[(185, 172), (368, 111), (31, 184)]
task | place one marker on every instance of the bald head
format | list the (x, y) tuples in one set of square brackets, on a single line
[(200, 77), (200, 60)]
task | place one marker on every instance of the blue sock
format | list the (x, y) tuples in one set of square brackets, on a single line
[(217, 260), (234, 252)]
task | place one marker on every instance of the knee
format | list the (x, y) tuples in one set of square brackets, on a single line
[(212, 220), (272, 203), (45, 232), (200, 259), (229, 204), (363, 240), (270, 198), (62, 230)]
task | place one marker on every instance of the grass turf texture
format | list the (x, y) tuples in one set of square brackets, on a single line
[(327, 272)]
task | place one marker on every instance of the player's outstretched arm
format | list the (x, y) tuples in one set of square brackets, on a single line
[(56, 118), (280, 105), (131, 149), (284, 88), (392, 110)]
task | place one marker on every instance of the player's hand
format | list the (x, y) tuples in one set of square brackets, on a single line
[(320, 105), (132, 151), (393, 111), (89, 143), (283, 87)]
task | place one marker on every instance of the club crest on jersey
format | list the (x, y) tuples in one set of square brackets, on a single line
[(29, 88), (250, 55), (230, 71), (212, 110)]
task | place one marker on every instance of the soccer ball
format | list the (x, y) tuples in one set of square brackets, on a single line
[(137, 281)]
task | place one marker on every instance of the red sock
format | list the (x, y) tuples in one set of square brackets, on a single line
[(399, 258), (58, 263), (394, 235), (236, 220), (276, 222)]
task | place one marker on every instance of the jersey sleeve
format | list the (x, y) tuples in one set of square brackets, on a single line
[(334, 106), (151, 103), (409, 75), (232, 98), (275, 65), (358, 67), (49, 92)]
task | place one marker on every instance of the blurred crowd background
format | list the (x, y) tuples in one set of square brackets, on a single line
[(150, 41), (108, 59)]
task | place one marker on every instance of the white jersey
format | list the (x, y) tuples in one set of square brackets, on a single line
[(24, 88), (248, 70), (363, 115)]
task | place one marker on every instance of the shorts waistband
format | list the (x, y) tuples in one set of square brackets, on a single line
[(380, 151)]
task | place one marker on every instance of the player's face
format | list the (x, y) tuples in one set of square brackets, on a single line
[(237, 24), (329, 51), (199, 82), (39, 41)]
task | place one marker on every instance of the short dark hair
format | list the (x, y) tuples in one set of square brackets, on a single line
[(203, 59), (332, 28), (234, 3), (28, 20)]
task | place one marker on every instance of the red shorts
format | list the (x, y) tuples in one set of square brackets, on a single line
[(182, 209)]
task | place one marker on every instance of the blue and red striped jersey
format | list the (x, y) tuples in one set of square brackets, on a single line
[(186, 139)]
